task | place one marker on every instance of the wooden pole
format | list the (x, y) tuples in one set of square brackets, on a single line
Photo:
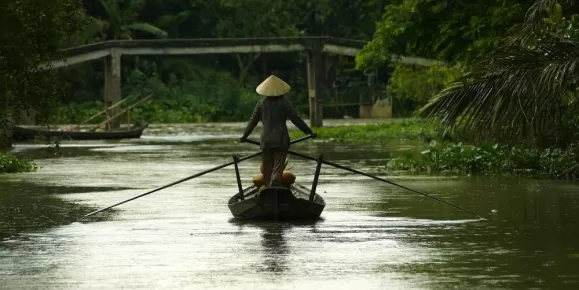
[(113, 84), (239, 186), (314, 64), (173, 183), (115, 116), (101, 112), (380, 179), (316, 177)]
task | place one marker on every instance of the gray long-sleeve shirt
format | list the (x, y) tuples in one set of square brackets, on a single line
[(273, 113)]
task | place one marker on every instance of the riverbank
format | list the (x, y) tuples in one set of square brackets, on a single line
[(439, 155), (381, 132), (427, 153), (491, 160)]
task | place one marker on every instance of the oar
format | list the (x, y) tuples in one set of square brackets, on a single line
[(173, 183), (99, 113), (122, 112), (291, 143), (381, 179), (300, 139), (366, 174)]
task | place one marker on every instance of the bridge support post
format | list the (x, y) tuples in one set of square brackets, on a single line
[(314, 86), (112, 90)]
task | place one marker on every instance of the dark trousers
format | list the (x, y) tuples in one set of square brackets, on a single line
[(273, 164)]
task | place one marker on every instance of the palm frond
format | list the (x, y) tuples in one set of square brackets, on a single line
[(534, 22), (130, 10), (112, 9), (94, 30), (542, 8), (96, 26), (114, 18), (135, 5), (517, 89), (146, 27), (539, 10), (166, 20)]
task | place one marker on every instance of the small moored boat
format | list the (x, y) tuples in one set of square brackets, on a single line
[(26, 133)]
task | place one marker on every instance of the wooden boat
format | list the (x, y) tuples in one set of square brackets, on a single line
[(277, 203), (25, 133)]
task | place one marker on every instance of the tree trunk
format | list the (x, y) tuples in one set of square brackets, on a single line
[(264, 73), (242, 75), (244, 66)]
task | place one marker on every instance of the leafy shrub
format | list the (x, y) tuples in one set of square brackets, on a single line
[(493, 159), (12, 164), (419, 84)]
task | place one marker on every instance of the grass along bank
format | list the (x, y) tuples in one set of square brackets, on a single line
[(12, 164), (439, 156), (491, 160), (372, 133)]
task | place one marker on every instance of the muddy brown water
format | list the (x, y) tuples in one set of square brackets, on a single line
[(371, 235)]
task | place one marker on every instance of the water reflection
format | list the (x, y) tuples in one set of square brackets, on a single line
[(274, 249), (373, 235), (31, 207)]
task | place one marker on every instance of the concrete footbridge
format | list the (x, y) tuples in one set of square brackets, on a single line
[(112, 51)]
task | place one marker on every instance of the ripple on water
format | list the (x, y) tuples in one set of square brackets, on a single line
[(371, 236)]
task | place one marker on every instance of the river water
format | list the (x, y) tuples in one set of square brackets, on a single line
[(371, 236)]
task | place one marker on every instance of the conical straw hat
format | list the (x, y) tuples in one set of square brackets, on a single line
[(273, 87)]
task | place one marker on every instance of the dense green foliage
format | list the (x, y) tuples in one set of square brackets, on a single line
[(523, 92), (451, 31), (439, 155), (30, 34), (492, 159), (520, 58), (201, 95), (183, 84), (416, 85), (12, 164)]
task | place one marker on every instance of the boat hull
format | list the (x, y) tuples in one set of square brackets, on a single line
[(24, 134), (277, 203)]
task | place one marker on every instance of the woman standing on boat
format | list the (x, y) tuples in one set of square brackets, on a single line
[(273, 111)]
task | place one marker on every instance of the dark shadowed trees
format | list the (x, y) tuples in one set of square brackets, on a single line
[(30, 34)]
